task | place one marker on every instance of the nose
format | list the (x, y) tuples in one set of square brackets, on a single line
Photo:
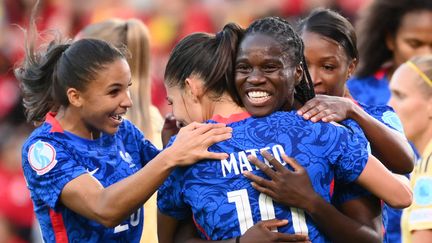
[(127, 101), (314, 73), (256, 77)]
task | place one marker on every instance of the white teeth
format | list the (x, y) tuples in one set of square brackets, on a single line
[(258, 94)]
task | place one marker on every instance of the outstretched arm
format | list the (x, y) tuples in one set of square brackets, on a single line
[(390, 147), (110, 206), (293, 188)]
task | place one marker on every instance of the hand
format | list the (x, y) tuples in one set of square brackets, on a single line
[(327, 108), (169, 128), (192, 142), (291, 188), (261, 232)]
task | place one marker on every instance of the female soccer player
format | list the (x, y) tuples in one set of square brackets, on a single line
[(390, 32), (331, 55), (222, 201), (89, 171), (411, 87), (133, 34)]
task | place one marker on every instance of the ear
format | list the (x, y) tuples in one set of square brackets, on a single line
[(390, 42), (299, 72), (352, 67), (194, 88), (74, 97)]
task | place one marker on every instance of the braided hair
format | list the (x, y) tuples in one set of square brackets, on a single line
[(292, 46)]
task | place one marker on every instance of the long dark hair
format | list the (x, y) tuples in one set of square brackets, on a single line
[(45, 76), (381, 18), (210, 57)]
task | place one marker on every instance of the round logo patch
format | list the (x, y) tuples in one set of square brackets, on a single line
[(423, 191), (42, 157)]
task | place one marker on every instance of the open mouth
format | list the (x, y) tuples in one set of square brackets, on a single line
[(117, 117), (257, 97)]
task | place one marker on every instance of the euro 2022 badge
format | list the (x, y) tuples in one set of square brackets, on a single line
[(42, 157), (423, 191)]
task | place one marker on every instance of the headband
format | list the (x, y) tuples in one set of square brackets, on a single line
[(419, 72)]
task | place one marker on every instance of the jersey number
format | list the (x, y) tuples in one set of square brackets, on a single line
[(244, 212), (134, 221)]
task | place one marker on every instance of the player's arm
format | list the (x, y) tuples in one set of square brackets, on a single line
[(109, 206), (167, 228), (293, 188), (390, 147), (391, 188), (421, 236)]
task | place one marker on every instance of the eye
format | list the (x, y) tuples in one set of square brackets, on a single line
[(414, 44), (114, 92), (242, 68), (270, 68), (169, 101), (329, 67)]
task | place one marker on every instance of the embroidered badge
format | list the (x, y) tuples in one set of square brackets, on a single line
[(423, 191), (42, 157)]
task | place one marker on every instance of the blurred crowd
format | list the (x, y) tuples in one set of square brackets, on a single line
[(167, 21)]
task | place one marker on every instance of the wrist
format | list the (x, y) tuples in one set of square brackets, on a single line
[(169, 158)]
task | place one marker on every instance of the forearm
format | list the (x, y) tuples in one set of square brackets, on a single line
[(390, 147), (338, 227)]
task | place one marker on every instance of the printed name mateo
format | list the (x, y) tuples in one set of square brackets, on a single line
[(238, 161)]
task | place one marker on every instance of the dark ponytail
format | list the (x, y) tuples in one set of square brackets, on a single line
[(210, 57), (45, 76)]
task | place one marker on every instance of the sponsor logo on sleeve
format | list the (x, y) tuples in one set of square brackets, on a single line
[(423, 191), (42, 157)]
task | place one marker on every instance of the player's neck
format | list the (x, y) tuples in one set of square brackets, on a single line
[(225, 107)]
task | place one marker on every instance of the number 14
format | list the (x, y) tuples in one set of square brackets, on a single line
[(244, 212)]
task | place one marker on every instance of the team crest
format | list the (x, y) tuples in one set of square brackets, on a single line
[(423, 191), (42, 157)]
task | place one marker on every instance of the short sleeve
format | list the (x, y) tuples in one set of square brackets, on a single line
[(170, 196), (347, 192), (353, 156), (48, 167), (386, 115), (421, 209)]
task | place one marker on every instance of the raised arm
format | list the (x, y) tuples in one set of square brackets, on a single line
[(110, 206), (293, 188), (389, 146)]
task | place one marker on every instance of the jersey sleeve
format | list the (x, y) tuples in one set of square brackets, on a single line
[(48, 167), (353, 156), (420, 216), (169, 198), (386, 115), (346, 192)]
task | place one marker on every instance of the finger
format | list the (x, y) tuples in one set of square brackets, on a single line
[(262, 166), (258, 180), (307, 106), (215, 156), (331, 117), (318, 116), (203, 127), (292, 162), (291, 238), (209, 139), (271, 223), (272, 160), (313, 111), (266, 190)]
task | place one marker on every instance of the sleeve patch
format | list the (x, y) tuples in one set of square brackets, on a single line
[(423, 215), (391, 119), (423, 191), (42, 157)]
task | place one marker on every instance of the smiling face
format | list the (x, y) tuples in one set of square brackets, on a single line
[(328, 64), (265, 79), (105, 100), (413, 38)]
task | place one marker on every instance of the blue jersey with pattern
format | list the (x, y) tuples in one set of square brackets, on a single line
[(222, 201), (371, 90), (345, 192), (386, 115), (53, 157)]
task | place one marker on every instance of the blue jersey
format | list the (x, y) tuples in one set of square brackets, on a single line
[(53, 157), (222, 201), (371, 90), (390, 216)]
